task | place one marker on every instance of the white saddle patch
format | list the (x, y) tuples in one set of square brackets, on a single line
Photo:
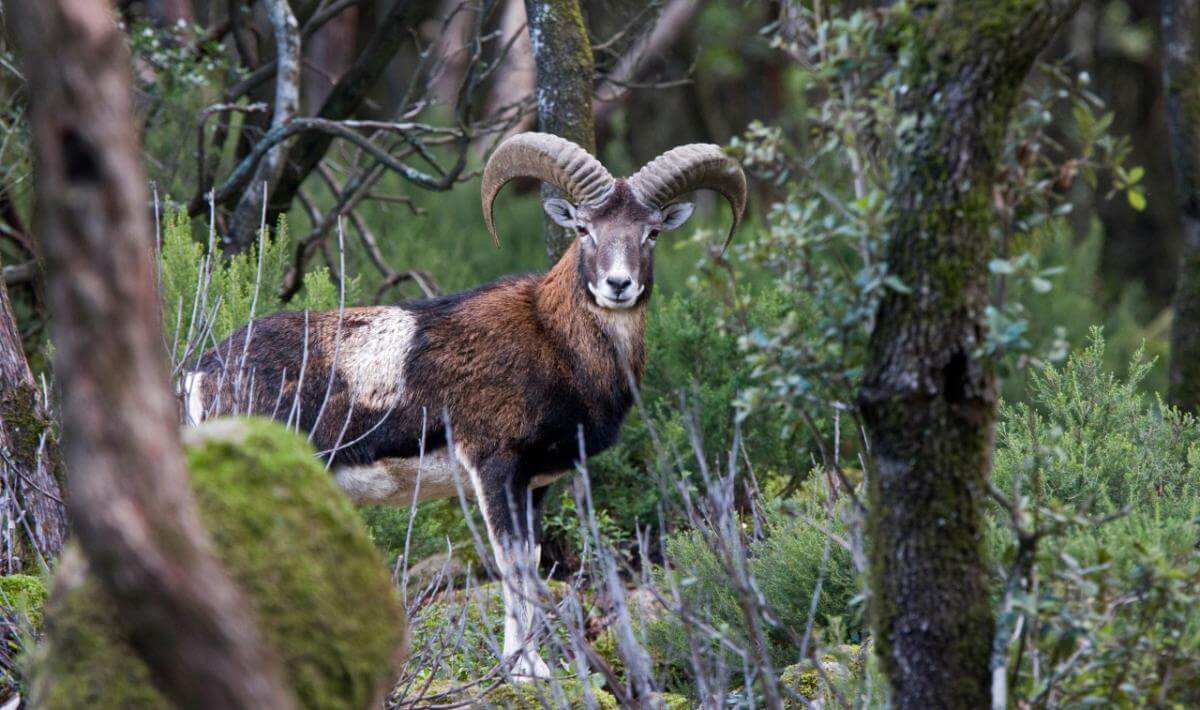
[(371, 358)]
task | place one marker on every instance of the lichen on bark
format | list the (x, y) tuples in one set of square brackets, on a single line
[(928, 396), (562, 53), (1181, 69)]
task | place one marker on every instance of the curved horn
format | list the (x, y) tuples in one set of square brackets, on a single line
[(550, 159), (692, 167)]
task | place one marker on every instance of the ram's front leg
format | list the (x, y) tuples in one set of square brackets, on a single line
[(511, 513)]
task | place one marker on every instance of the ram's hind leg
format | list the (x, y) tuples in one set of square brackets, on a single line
[(511, 513)]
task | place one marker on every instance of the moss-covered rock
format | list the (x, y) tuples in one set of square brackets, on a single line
[(298, 550), (837, 668), (25, 594), (537, 695)]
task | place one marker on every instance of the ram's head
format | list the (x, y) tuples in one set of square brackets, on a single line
[(617, 220)]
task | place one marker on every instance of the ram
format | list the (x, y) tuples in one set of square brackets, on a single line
[(497, 387)]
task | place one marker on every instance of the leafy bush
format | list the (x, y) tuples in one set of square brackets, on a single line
[(206, 296), (694, 374), (786, 563), (1108, 607)]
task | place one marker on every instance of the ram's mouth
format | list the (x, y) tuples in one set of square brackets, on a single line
[(626, 301)]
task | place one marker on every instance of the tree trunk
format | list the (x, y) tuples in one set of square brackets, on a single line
[(562, 53), (34, 517), (247, 215), (130, 501), (168, 12), (1181, 71), (928, 398)]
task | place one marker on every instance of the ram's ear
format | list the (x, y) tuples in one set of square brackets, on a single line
[(674, 215), (561, 211)]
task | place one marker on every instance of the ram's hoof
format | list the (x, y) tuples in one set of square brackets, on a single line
[(529, 666)]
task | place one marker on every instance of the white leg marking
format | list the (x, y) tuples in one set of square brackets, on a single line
[(193, 407), (517, 586)]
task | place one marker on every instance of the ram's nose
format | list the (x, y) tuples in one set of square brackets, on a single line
[(618, 284)]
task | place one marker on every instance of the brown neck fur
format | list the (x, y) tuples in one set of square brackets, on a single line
[(601, 338)]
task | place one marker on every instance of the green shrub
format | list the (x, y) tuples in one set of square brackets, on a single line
[(1114, 479), (786, 565), (693, 356), (24, 594), (203, 289)]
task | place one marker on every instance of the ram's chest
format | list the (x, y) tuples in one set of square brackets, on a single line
[(371, 360)]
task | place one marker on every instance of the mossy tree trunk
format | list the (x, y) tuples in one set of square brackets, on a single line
[(928, 398), (1181, 68), (130, 500), (562, 54), (34, 517)]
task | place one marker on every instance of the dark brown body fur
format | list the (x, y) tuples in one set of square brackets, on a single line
[(515, 367)]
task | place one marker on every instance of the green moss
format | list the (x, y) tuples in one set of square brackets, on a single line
[(26, 422), (24, 593), (805, 680), (536, 695), (473, 614), (675, 701), (295, 546), (606, 645)]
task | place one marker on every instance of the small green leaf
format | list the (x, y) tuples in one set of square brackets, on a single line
[(1137, 198), (893, 282)]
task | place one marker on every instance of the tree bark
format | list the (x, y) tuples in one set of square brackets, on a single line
[(1181, 73), (130, 500), (928, 397), (168, 12), (516, 76), (35, 519), (562, 54)]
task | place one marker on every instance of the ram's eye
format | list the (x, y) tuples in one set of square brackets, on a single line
[(653, 234), (581, 229)]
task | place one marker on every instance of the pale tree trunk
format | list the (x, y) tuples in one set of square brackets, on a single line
[(516, 77), (455, 25), (1181, 70), (928, 398), (247, 215), (33, 516), (672, 23), (130, 501), (329, 53), (562, 54), (345, 99)]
